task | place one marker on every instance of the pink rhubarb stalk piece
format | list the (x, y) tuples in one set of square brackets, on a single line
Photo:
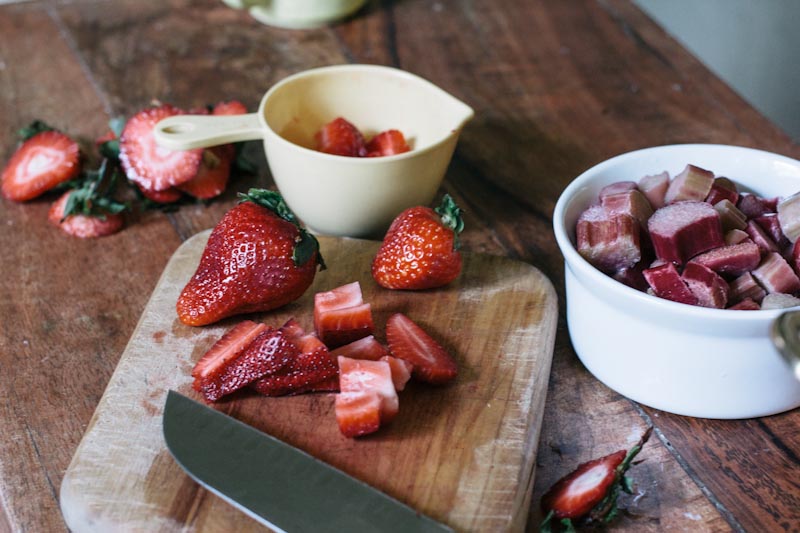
[(609, 242), (682, 230), (729, 216), (760, 237), (735, 236), (654, 188), (745, 305), (734, 260), (723, 189), (779, 300), (666, 283), (692, 185), (753, 206), (789, 217), (772, 227), (631, 203), (746, 287), (707, 286), (775, 275), (632, 277), (616, 188), (795, 256)]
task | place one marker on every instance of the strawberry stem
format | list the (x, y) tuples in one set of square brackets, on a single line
[(450, 213), (307, 245)]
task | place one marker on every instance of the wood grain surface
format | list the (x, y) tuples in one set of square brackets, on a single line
[(462, 454), (557, 86)]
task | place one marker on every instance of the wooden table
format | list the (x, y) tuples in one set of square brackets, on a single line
[(557, 87)]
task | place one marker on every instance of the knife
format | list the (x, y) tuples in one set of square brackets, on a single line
[(275, 483)]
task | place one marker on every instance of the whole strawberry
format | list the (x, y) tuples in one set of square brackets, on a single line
[(257, 258), (420, 250)]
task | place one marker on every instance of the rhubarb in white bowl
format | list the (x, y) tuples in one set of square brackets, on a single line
[(687, 359)]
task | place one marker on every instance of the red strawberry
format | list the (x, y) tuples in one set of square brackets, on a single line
[(83, 226), (257, 259), (231, 107), (327, 385), (401, 371), (356, 375), (146, 163), (409, 342), (389, 142), (591, 491), (339, 137), (420, 250), (366, 348), (358, 413), (270, 351), (341, 316), (167, 196), (39, 164), (232, 344), (212, 178)]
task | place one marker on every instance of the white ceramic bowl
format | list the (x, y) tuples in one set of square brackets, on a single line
[(297, 14), (679, 358), (332, 194)]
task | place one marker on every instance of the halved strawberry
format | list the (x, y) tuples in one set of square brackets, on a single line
[(83, 226), (339, 137), (367, 348), (411, 343), (231, 107), (39, 164), (341, 316), (401, 371), (212, 178), (227, 348), (590, 491), (167, 196), (389, 142), (270, 351), (358, 413), (327, 385), (357, 375), (146, 163)]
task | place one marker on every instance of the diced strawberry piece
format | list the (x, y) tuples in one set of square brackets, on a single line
[(772, 227), (227, 348), (775, 275), (326, 385), (212, 177), (410, 342), (609, 242), (735, 236), (167, 196), (753, 206), (617, 187), (745, 305), (149, 165), (778, 300), (356, 375), (654, 188), (358, 413), (293, 329), (682, 230), (667, 283), (760, 237), (401, 371), (83, 226), (631, 203), (231, 107), (745, 287), (366, 348), (729, 216), (344, 296), (39, 164), (720, 191), (734, 260), (692, 185), (339, 137), (707, 286), (343, 326), (389, 142)]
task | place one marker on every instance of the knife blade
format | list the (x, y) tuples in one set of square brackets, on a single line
[(275, 483)]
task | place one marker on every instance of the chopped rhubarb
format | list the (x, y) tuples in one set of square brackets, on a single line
[(772, 227), (779, 300), (707, 286), (734, 260), (366, 348), (401, 371), (609, 242), (682, 230), (357, 375), (358, 413), (745, 305), (775, 275), (723, 189), (789, 216), (746, 287), (735, 236), (795, 256), (632, 203), (341, 316), (692, 185), (632, 277), (753, 206), (654, 188), (760, 237), (729, 216), (616, 188), (667, 283)]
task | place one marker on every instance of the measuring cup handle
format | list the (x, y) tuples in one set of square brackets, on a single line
[(185, 132)]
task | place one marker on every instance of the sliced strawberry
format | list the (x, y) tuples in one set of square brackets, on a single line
[(83, 226), (268, 353), (371, 376), (344, 296), (389, 142), (167, 196), (149, 165), (293, 329), (339, 137), (343, 326), (327, 385), (409, 342), (367, 348), (212, 178), (231, 107), (358, 413), (42, 162), (401, 371), (227, 348)]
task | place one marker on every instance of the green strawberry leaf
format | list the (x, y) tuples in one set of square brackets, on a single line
[(450, 213), (34, 128)]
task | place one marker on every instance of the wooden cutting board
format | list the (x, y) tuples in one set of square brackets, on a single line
[(462, 454)]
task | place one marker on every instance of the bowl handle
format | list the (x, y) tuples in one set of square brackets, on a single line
[(185, 132), (785, 333)]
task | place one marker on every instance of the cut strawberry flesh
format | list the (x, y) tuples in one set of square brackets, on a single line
[(692, 185), (666, 283), (357, 375), (83, 226), (341, 317), (389, 142), (344, 296), (410, 342), (231, 107), (682, 230), (167, 196), (42, 162), (608, 241), (149, 165), (358, 413), (227, 348), (212, 177), (367, 348), (654, 188), (401, 371), (340, 137)]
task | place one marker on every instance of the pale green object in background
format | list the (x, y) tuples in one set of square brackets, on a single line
[(297, 14)]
